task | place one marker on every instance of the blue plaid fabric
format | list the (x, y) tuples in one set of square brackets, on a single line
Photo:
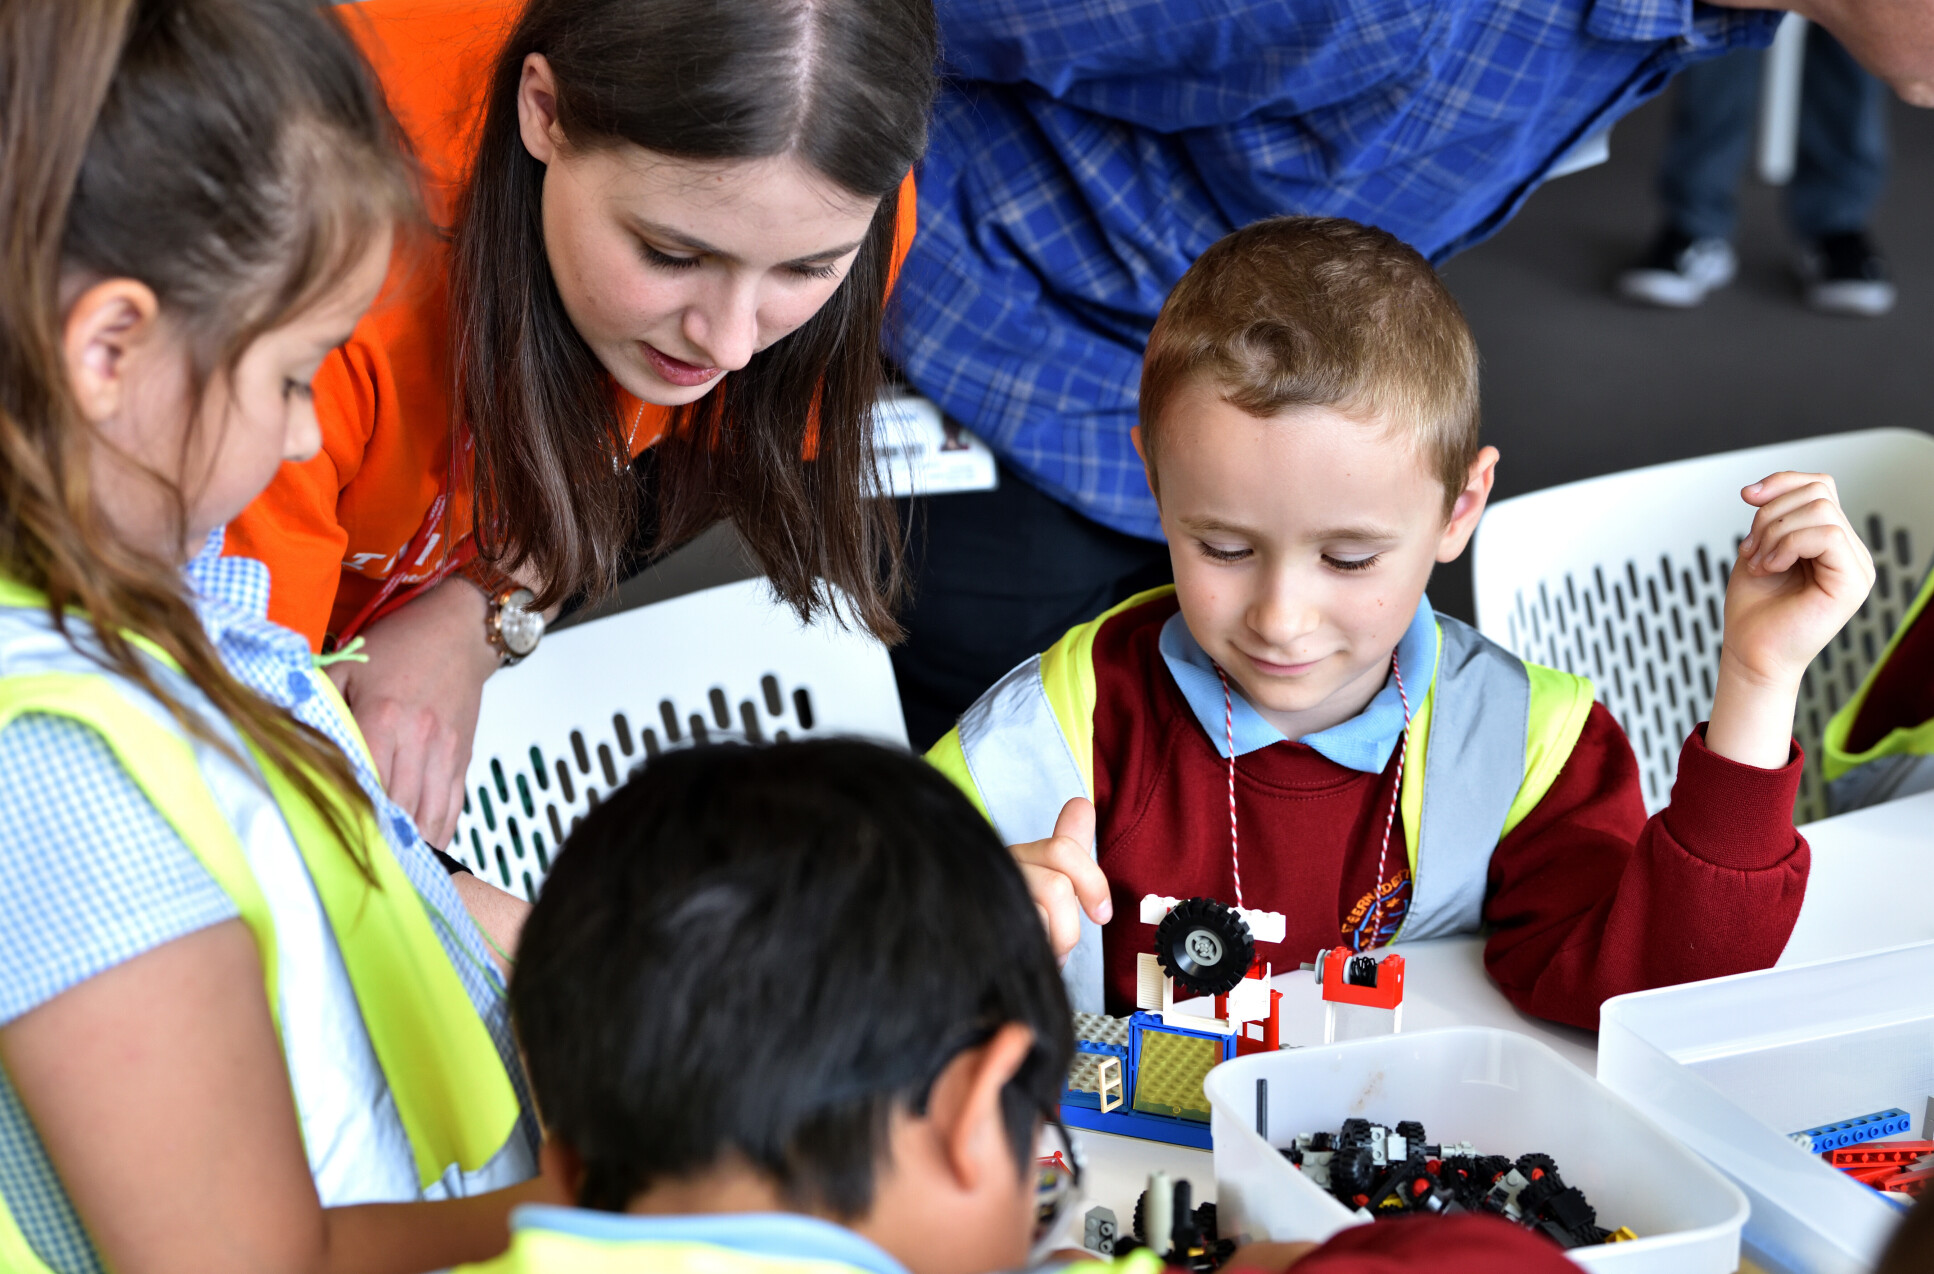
[(273, 661), (91, 875), (1087, 151)]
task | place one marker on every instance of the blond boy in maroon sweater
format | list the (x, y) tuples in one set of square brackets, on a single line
[(1309, 415)]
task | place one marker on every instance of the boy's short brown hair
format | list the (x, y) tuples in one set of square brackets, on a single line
[(1323, 312)]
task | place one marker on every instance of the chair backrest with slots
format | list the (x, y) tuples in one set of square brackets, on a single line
[(1623, 579), (595, 701)]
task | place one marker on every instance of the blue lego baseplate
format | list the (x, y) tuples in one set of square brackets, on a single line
[(1851, 1132), (1081, 1110), (1127, 1123)]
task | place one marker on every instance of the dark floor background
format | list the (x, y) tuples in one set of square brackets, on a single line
[(1578, 383)]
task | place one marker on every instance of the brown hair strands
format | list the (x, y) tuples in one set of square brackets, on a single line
[(1320, 311), (783, 447), (235, 157)]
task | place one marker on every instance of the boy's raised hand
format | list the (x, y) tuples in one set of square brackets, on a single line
[(1801, 573), (1063, 877)]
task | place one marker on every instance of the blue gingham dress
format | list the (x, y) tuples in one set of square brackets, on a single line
[(91, 875)]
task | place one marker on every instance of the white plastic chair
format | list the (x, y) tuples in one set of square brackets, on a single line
[(569, 724), (1623, 578)]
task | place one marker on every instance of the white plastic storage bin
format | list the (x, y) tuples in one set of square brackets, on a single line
[(1506, 1094), (1733, 1065), (571, 723)]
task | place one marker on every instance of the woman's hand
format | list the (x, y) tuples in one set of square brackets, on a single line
[(161, 1094), (1801, 574), (417, 697), (1063, 877)]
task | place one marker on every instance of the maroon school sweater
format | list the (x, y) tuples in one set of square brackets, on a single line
[(1587, 898), (1471, 1244)]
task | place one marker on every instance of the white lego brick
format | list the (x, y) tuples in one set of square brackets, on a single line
[(1154, 907), (1266, 926)]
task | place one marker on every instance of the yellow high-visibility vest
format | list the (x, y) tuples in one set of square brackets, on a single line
[(1900, 764), (441, 1078), (1484, 747)]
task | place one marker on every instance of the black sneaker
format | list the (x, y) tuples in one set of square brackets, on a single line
[(1679, 271), (1844, 274)]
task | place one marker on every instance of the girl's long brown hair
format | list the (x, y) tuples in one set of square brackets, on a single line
[(234, 156), (844, 84)]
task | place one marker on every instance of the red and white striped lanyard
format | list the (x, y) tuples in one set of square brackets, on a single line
[(1389, 819)]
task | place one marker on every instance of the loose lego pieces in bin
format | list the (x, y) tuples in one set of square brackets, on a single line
[(1848, 1132), (1380, 1172), (1893, 1167), (1901, 1168)]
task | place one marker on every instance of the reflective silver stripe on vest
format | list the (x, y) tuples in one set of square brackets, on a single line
[(1881, 779), (1020, 761), (357, 1149), (1479, 721)]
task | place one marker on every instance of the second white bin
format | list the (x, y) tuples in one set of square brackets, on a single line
[(1506, 1094), (1734, 1065)]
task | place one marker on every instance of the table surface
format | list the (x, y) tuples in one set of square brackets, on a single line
[(1870, 887)]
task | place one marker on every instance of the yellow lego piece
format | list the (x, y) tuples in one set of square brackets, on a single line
[(1169, 1081)]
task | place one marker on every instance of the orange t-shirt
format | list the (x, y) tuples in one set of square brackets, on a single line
[(333, 528)]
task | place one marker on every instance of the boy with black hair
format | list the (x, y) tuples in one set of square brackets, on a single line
[(788, 1009)]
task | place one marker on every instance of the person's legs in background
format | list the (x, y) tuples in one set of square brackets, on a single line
[(1705, 155), (999, 576), (1837, 180)]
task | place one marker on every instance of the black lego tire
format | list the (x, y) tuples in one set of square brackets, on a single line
[(1206, 947)]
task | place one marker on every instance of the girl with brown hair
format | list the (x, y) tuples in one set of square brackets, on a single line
[(245, 1023), (673, 224)]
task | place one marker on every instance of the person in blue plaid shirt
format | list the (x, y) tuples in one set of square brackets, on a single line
[(1085, 154)]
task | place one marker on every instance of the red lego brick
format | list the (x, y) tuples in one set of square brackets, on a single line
[(1909, 1183), (1386, 994), (1879, 1152)]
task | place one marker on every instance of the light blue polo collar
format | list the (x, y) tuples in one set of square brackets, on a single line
[(772, 1234), (1364, 742)]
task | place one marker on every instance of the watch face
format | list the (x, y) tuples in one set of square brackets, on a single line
[(520, 628)]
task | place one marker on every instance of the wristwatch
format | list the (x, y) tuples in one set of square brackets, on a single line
[(511, 626)]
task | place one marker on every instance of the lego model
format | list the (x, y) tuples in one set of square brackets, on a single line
[(1383, 1172), (1350, 977), (1141, 1076)]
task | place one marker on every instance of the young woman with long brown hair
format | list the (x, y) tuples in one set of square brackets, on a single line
[(245, 1024), (673, 224)]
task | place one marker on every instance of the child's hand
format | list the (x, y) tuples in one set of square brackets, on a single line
[(1802, 572), (1063, 877)]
